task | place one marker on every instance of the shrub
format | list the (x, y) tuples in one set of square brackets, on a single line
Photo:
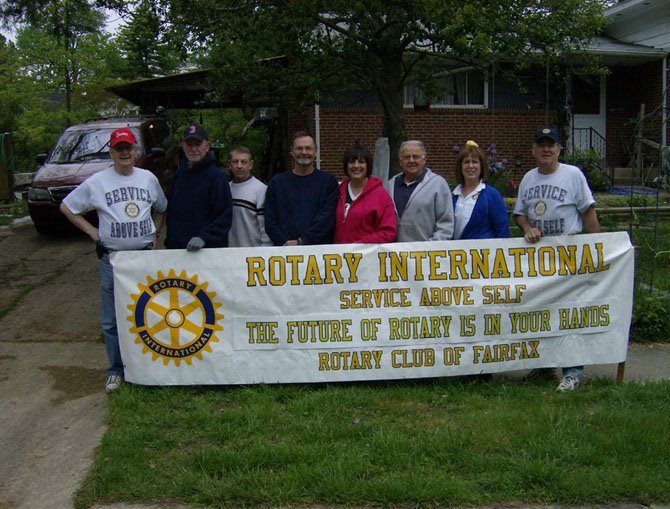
[(642, 200), (651, 317), (592, 165)]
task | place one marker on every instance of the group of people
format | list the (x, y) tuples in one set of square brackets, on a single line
[(306, 206)]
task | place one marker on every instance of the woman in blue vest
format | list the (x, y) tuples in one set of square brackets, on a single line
[(479, 210)]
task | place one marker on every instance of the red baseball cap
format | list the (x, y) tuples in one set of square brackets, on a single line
[(122, 135)]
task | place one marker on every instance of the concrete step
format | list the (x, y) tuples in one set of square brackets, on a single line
[(624, 177)]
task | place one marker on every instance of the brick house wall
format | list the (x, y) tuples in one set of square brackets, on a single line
[(511, 130)]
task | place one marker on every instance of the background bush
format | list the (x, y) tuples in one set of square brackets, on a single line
[(592, 165), (651, 317)]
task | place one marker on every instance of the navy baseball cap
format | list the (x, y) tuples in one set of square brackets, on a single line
[(195, 131), (547, 132)]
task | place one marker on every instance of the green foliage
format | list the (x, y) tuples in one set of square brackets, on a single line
[(651, 237), (54, 75), (636, 200), (10, 85), (608, 223), (651, 317), (19, 208), (593, 166), (56, 68), (499, 180), (13, 210), (147, 49), (631, 200), (57, 44), (64, 20), (226, 128)]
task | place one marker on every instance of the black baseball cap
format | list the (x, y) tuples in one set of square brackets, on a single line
[(195, 131), (547, 132)]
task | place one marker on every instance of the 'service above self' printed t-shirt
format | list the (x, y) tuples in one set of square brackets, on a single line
[(124, 205), (554, 203)]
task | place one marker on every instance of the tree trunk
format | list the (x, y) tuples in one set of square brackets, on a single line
[(274, 159), (394, 128), (389, 87)]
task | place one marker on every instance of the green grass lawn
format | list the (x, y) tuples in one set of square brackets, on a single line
[(425, 443)]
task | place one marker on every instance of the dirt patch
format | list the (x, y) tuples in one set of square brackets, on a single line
[(73, 382)]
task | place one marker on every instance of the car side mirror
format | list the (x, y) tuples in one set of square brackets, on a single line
[(41, 159), (157, 152)]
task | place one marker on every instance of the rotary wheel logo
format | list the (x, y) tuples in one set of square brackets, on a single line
[(174, 317), (132, 210)]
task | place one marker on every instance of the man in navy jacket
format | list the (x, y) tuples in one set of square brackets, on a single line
[(200, 206)]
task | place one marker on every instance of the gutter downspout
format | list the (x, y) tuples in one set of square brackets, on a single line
[(317, 134)]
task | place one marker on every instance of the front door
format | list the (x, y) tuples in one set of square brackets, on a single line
[(589, 126)]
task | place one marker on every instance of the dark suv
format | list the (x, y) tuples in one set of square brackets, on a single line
[(83, 150)]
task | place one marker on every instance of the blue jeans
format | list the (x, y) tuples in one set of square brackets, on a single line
[(108, 317), (575, 371)]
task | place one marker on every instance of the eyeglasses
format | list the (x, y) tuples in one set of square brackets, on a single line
[(412, 157)]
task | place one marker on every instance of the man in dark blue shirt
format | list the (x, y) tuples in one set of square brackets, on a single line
[(300, 204)]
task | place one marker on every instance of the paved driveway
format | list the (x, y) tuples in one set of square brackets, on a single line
[(52, 367)]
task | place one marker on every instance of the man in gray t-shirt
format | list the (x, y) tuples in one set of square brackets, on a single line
[(555, 199)]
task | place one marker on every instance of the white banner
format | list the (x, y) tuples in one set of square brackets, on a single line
[(367, 312)]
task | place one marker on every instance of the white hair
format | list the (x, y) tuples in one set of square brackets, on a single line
[(412, 142)]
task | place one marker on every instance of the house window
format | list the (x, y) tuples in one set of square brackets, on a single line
[(462, 88)]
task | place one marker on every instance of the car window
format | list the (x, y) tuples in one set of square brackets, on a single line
[(80, 145)]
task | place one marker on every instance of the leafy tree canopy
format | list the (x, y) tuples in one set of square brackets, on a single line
[(375, 45), (150, 47)]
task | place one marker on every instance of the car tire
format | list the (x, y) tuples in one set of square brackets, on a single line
[(43, 229)]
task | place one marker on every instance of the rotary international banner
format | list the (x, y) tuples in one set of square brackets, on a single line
[(367, 312)]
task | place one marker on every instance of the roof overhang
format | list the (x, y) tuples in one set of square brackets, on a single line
[(618, 53), (633, 8), (189, 90), (645, 22)]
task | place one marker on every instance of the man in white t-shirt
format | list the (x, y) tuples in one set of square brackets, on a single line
[(555, 199), (248, 228), (124, 198)]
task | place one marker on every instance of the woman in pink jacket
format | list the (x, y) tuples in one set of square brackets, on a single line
[(365, 212)]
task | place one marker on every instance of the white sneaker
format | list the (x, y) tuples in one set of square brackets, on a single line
[(113, 383), (569, 383)]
